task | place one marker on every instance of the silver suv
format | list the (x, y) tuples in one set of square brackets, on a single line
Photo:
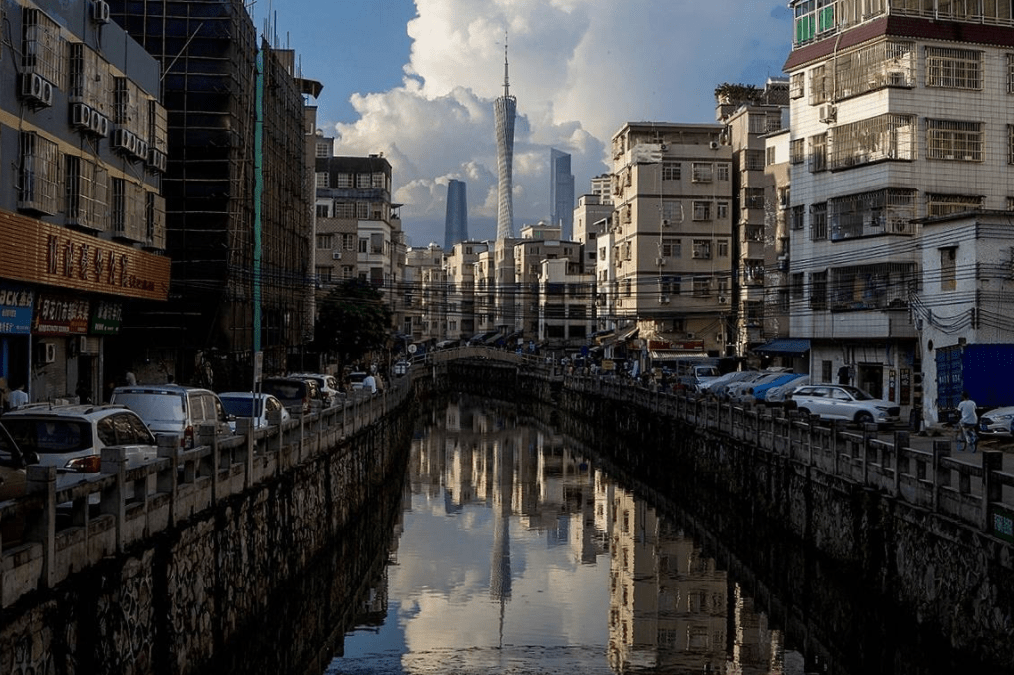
[(175, 409), (71, 437), (842, 402)]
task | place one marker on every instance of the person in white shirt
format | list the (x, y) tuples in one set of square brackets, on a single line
[(370, 384), (17, 397), (968, 420)]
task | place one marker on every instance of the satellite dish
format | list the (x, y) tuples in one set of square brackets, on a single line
[(412, 349)]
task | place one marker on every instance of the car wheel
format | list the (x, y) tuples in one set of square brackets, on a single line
[(864, 418), (804, 412)]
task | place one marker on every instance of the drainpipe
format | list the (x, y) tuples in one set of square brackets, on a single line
[(258, 195)]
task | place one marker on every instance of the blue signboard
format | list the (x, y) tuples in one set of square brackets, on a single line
[(16, 304)]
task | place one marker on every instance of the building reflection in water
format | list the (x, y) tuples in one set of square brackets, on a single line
[(667, 607)]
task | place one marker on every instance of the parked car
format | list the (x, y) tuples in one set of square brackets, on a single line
[(997, 422), (776, 395), (356, 379), (401, 367), (13, 466), (71, 437), (844, 402), (327, 384), (762, 390), (295, 394), (721, 389), (175, 409), (744, 391), (253, 405)]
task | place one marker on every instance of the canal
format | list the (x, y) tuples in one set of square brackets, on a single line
[(518, 550)]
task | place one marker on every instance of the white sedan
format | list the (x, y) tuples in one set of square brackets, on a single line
[(997, 422)]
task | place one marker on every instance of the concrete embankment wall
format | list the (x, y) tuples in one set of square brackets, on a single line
[(283, 559)]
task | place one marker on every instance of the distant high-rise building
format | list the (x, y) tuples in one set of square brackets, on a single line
[(456, 221), (561, 190), (505, 109)]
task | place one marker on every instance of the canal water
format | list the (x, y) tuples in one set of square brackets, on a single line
[(517, 552)]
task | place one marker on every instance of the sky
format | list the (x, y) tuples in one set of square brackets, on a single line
[(415, 80)]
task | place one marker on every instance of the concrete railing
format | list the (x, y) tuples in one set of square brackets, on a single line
[(923, 471), (66, 523)]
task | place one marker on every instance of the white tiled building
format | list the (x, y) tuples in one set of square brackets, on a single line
[(901, 109)]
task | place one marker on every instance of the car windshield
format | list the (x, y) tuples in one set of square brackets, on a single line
[(241, 406), (284, 389), (50, 436), (152, 406)]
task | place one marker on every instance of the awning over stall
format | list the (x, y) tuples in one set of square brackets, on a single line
[(666, 355), (785, 347)]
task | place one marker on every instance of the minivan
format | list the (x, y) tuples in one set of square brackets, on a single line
[(294, 393), (175, 409)]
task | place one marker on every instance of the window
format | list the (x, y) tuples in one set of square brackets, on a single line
[(820, 86), (702, 249), (702, 210), (154, 218), (770, 155), (39, 179), (343, 180), (41, 48), (87, 193), (812, 19), (871, 140), (671, 170), (1010, 143), (345, 210), (796, 85), (1010, 73), (797, 151), (753, 198), (703, 172), (323, 274), (818, 222), (953, 140), (672, 248), (323, 211), (349, 242), (948, 268), (380, 180), (672, 212), (377, 243), (362, 210), (322, 179), (323, 148), (363, 180), (722, 171), (796, 217), (944, 205), (818, 290), (797, 285), (325, 241), (363, 244), (702, 287), (127, 208), (722, 211), (953, 68), (818, 153), (757, 123), (348, 272), (754, 160), (723, 248)]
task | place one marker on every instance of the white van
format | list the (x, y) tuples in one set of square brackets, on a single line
[(175, 409)]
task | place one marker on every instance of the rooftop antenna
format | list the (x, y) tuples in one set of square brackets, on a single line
[(506, 85)]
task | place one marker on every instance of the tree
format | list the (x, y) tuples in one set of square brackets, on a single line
[(352, 320)]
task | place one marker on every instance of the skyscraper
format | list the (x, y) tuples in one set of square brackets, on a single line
[(456, 221), (505, 108), (561, 191)]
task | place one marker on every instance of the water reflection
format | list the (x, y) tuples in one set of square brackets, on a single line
[(517, 554)]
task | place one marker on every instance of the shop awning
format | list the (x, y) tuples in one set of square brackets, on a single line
[(785, 347), (493, 338), (666, 355)]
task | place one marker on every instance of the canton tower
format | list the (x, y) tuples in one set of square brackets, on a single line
[(505, 108)]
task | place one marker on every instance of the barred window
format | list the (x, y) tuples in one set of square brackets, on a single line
[(871, 140), (702, 286), (722, 171), (344, 210), (818, 153), (883, 64), (128, 205), (322, 177), (702, 249), (819, 86), (1010, 73), (796, 217), (39, 178), (796, 85), (797, 151), (818, 290), (1010, 143), (343, 180), (954, 140), (722, 210), (953, 68), (672, 248), (818, 222), (41, 47), (364, 180), (87, 194), (754, 160), (944, 205), (753, 198)]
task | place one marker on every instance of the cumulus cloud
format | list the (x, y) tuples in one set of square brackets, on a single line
[(579, 70)]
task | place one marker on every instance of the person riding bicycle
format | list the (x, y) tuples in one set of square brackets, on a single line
[(969, 420)]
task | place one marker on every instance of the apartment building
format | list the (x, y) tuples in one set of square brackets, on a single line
[(538, 243), (750, 115), (565, 317), (459, 266), (423, 289), (83, 137), (672, 233), (900, 111)]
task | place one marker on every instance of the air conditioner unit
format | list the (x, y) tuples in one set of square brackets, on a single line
[(141, 149), (99, 124), (660, 262), (828, 113), (48, 354), (36, 89), (663, 299), (713, 145), (156, 159), (336, 255), (100, 11), (88, 345), (80, 115), (666, 222), (691, 336), (121, 137), (723, 299)]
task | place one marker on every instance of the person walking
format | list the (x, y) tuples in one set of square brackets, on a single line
[(969, 420)]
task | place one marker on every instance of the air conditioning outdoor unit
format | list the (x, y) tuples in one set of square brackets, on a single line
[(99, 124), (80, 115), (36, 89), (100, 11), (828, 113), (336, 255), (660, 262), (723, 299), (48, 354), (713, 145), (666, 222)]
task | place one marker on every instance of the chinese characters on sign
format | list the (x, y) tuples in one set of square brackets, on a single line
[(58, 315), (16, 309)]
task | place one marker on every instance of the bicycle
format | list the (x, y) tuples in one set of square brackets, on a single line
[(966, 437)]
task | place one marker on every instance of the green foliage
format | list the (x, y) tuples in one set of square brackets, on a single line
[(352, 320), (736, 93)]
